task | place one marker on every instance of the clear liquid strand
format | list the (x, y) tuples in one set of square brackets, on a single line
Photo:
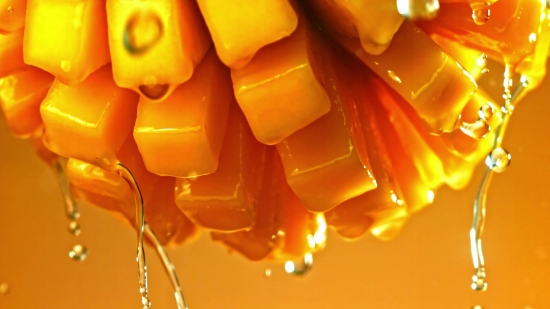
[(301, 270), (71, 207), (126, 174), (168, 267), (480, 203)]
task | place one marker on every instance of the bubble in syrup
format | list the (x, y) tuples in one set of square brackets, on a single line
[(498, 160), (143, 30), (481, 11), (4, 288), (74, 228), (154, 92), (78, 253)]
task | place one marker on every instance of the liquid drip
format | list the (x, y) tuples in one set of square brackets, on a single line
[(502, 157), (477, 307), (481, 11), (74, 228), (10, 9), (78, 253), (268, 272), (301, 270), (71, 207), (154, 92), (169, 268), (480, 128), (418, 9), (143, 30), (125, 173), (4, 288)]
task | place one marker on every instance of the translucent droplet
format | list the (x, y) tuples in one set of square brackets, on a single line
[(74, 228), (143, 30), (498, 160), (66, 65), (481, 11), (486, 111), (477, 307), (78, 253), (484, 71), (268, 272), (300, 270), (11, 9), (4, 288), (154, 92), (478, 279)]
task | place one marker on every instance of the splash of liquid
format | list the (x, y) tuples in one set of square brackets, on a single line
[(169, 268), (126, 174), (496, 161), (481, 11)]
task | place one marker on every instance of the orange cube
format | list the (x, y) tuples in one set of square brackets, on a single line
[(431, 81), (89, 121), (20, 98), (80, 27), (271, 20), (193, 117), (281, 89), (226, 199), (155, 45)]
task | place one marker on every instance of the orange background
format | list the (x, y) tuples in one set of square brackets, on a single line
[(428, 266)]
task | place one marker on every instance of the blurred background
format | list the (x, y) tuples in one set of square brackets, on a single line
[(427, 266)]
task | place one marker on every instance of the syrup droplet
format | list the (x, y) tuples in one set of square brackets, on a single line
[(268, 272), (394, 77), (4, 288), (481, 11), (126, 174), (78, 253), (66, 65), (498, 160), (477, 307), (74, 228), (11, 9), (478, 279), (154, 92), (143, 30), (301, 270), (480, 128)]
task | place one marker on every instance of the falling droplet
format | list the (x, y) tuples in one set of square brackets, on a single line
[(11, 9), (484, 71), (478, 279), (498, 160), (143, 30), (268, 272), (127, 175), (78, 253), (4, 288), (481, 11), (477, 307), (303, 269), (154, 92), (74, 228)]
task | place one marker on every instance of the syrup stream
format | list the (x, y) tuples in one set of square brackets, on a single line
[(126, 174), (168, 267), (480, 203), (71, 207)]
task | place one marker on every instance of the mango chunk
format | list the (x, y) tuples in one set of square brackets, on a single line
[(191, 121), (281, 89), (430, 80), (327, 162), (155, 45), (282, 225), (80, 27), (20, 98), (11, 53), (89, 121), (271, 20), (12, 15), (226, 199), (509, 34), (374, 22)]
